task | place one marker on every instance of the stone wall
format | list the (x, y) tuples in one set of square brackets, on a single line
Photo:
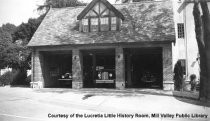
[(77, 69), (37, 70), (120, 68), (168, 83), (77, 66)]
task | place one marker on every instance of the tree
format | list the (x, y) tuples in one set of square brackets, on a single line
[(202, 30), (18, 54), (10, 28), (5, 41), (25, 31), (59, 4), (13, 46), (13, 50), (9, 50)]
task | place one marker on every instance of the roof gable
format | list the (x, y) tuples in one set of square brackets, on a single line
[(106, 3), (144, 22)]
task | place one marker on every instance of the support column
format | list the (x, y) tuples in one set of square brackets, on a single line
[(168, 83), (77, 69), (37, 70), (129, 70), (94, 69), (120, 68)]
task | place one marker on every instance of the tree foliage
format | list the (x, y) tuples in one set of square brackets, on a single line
[(25, 31), (19, 54), (5, 41), (6, 78), (13, 40), (59, 4), (10, 52), (10, 28), (13, 43), (14, 52)]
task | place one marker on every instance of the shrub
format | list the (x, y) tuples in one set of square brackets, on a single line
[(19, 77), (6, 78), (192, 77), (28, 79)]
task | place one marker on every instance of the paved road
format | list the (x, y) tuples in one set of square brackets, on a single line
[(24, 104)]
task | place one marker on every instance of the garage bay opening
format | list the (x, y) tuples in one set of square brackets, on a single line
[(99, 68), (143, 68), (58, 69)]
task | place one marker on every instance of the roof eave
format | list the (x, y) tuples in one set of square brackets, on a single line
[(167, 41)]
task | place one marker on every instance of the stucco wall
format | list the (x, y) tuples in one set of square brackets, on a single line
[(192, 47), (186, 48)]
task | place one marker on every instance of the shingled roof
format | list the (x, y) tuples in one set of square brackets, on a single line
[(144, 22)]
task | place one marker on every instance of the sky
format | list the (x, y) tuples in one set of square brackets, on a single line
[(18, 11)]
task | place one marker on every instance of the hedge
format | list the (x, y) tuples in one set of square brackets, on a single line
[(6, 78)]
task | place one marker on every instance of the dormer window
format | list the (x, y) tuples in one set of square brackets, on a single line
[(98, 16), (113, 23), (85, 26), (94, 24), (104, 24)]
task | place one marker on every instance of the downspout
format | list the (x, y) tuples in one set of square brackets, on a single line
[(185, 39), (32, 67)]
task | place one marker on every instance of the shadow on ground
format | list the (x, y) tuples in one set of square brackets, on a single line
[(190, 97), (22, 86), (87, 96), (187, 97), (194, 102), (106, 92)]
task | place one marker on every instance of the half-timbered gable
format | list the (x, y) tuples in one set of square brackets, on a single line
[(100, 15)]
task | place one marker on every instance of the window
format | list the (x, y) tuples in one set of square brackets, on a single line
[(85, 22), (85, 25), (99, 23), (94, 24), (180, 27), (104, 21), (104, 24), (113, 23)]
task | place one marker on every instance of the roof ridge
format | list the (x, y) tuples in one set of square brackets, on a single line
[(141, 2), (70, 7), (116, 4)]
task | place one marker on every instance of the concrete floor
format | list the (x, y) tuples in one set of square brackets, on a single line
[(25, 104)]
